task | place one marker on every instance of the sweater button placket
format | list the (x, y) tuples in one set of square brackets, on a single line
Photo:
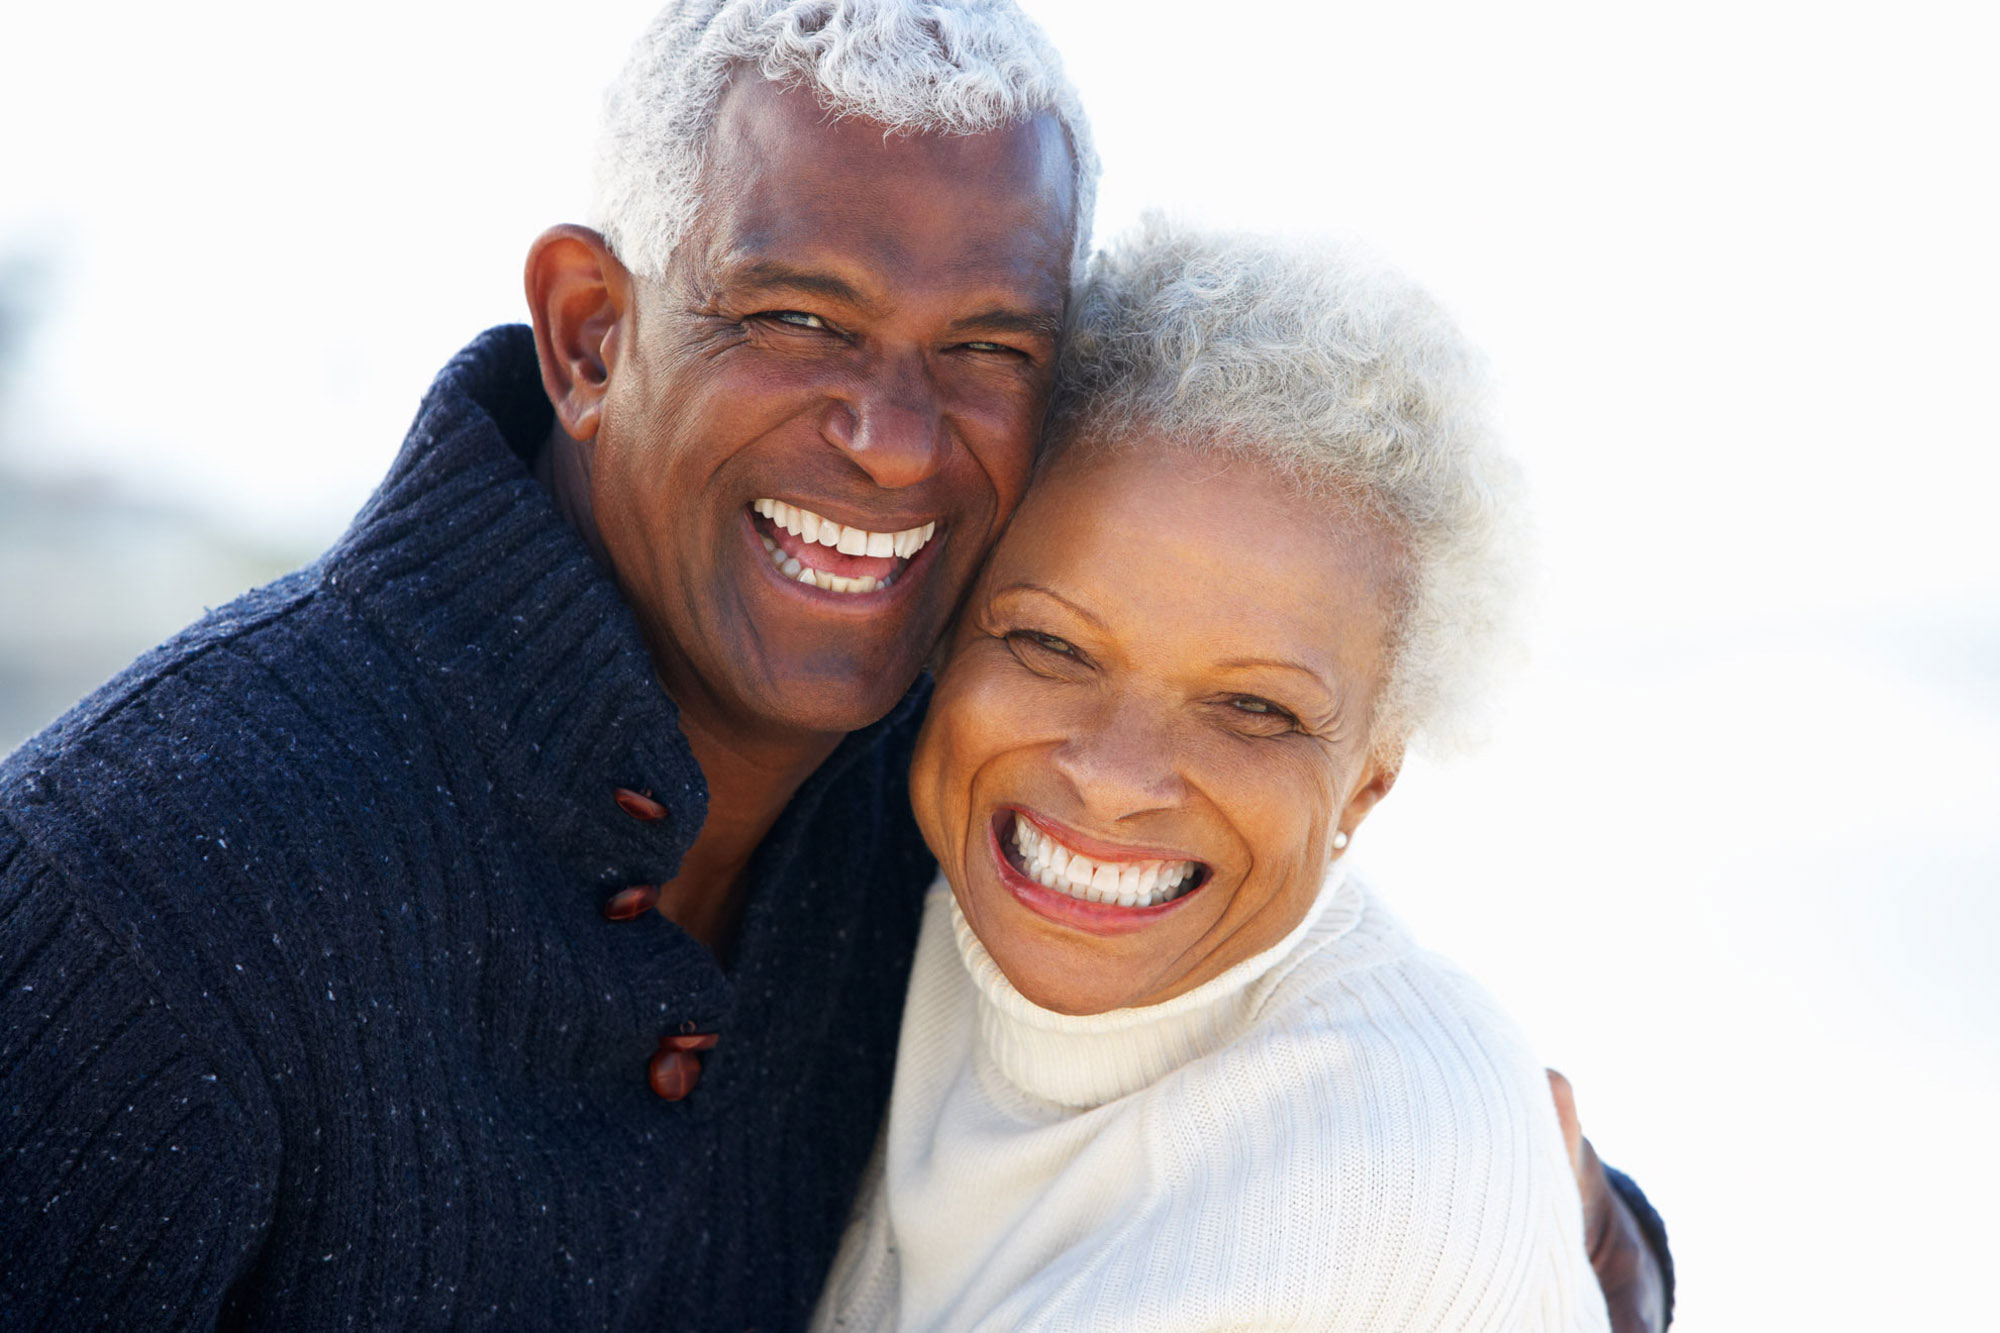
[(633, 902), (639, 805), (676, 1067), (629, 904)]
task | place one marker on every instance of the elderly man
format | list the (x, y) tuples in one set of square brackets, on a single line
[(505, 919)]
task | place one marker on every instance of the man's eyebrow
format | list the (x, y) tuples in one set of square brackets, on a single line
[(1003, 320), (777, 273), (1053, 596)]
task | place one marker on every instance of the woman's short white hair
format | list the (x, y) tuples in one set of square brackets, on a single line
[(915, 66), (1320, 362)]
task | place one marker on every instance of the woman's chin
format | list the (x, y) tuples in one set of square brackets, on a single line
[(1062, 970), (1063, 978)]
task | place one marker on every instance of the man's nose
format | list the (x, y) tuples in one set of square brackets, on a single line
[(891, 423), (1121, 761)]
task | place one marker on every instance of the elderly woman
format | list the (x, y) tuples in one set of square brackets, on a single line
[(1165, 1064)]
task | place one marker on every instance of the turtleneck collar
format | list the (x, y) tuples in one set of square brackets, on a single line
[(463, 559), (1079, 1061)]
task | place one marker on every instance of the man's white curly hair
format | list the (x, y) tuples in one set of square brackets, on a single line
[(916, 66), (1318, 361)]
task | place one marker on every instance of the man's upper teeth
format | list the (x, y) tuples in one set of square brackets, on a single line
[(848, 541), (1124, 883)]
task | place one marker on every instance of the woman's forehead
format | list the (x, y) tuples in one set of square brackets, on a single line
[(1216, 552)]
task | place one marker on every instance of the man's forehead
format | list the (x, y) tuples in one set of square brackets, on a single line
[(791, 187)]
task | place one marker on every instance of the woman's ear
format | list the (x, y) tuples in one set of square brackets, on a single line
[(579, 296), (1378, 775)]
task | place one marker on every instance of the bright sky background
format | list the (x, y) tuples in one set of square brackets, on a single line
[(1732, 859)]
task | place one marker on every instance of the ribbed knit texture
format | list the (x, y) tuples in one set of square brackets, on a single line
[(1340, 1133), (308, 1014)]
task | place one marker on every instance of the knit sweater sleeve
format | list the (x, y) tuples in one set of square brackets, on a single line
[(129, 1194)]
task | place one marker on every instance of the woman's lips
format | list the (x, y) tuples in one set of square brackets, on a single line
[(1151, 886)]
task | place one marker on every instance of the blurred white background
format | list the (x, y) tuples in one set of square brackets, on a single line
[(1732, 857)]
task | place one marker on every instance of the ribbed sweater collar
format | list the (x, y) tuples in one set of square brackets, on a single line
[(463, 560), (1082, 1061)]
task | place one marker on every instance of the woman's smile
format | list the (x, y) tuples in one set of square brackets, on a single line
[(1105, 890)]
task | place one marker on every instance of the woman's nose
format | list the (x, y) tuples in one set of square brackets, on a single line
[(891, 424), (1122, 762)]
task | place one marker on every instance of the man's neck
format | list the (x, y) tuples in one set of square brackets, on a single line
[(752, 770), (749, 786)]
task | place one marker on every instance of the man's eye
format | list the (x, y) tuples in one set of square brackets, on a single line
[(986, 347), (798, 319)]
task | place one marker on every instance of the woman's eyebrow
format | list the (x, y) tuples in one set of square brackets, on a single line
[(1318, 678), (1283, 663), (1053, 596)]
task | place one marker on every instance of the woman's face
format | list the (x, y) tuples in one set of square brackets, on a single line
[(1153, 723)]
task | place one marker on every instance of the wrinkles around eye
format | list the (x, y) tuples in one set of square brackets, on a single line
[(1043, 651), (1258, 717), (802, 320)]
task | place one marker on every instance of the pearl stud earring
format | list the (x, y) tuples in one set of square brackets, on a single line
[(1340, 841)]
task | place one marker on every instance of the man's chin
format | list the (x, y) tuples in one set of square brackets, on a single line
[(834, 691)]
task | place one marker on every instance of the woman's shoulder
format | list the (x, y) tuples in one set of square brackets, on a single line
[(1379, 1071), (1365, 1061), (1382, 1118), (1360, 983)]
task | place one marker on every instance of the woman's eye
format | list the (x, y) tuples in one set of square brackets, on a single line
[(1036, 641), (1262, 708)]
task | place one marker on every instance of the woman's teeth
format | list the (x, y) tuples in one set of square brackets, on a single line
[(1122, 883), (848, 541)]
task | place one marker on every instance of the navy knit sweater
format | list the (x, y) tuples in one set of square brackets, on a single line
[(309, 1016)]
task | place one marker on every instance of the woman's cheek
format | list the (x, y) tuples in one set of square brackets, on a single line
[(1283, 806), (994, 702), (972, 715), (927, 787)]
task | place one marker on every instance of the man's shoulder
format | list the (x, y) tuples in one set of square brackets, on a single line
[(232, 741), (183, 705)]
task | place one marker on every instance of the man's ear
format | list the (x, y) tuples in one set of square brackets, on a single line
[(579, 296)]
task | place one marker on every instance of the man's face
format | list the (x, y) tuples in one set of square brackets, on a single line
[(860, 330)]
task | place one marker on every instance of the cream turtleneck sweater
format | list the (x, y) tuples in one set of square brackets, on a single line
[(1342, 1132)]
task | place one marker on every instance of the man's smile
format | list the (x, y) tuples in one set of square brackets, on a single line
[(833, 557)]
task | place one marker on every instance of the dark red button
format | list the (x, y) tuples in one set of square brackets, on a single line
[(675, 1068), (630, 904), (692, 1041), (638, 805), (673, 1074)]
